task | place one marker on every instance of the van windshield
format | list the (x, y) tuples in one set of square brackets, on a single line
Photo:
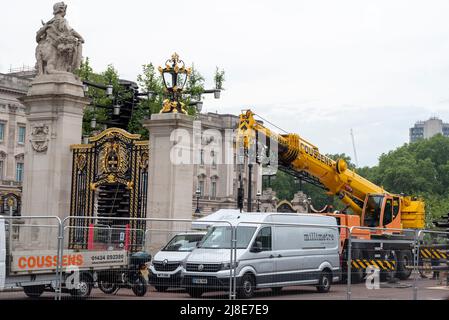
[(185, 242), (220, 237)]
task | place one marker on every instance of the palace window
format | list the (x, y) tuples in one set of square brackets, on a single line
[(214, 189), (2, 131), (19, 172), (21, 135), (201, 157), (214, 159), (201, 187)]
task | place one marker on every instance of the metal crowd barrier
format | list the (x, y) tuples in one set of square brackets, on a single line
[(430, 248)]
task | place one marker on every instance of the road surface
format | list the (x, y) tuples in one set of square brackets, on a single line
[(427, 290)]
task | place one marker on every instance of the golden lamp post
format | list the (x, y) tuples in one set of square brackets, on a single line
[(175, 76)]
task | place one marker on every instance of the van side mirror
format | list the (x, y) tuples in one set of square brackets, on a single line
[(257, 247)]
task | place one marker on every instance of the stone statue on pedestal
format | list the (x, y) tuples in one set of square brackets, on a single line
[(54, 111), (59, 48)]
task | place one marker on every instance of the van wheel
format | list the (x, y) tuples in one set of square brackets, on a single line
[(247, 287), (195, 292), (34, 291), (325, 282), (140, 287), (85, 287), (107, 287)]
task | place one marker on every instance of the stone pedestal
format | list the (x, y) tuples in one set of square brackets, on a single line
[(300, 202), (268, 200), (54, 111), (170, 182)]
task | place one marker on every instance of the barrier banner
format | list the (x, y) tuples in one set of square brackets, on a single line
[(44, 261)]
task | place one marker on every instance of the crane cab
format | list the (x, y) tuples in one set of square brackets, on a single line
[(381, 211)]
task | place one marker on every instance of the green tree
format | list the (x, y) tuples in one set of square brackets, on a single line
[(151, 82), (99, 98), (194, 89), (148, 81), (418, 169), (219, 78)]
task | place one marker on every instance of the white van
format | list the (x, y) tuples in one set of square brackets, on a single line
[(166, 267), (269, 255)]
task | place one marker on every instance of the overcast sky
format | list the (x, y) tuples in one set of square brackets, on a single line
[(315, 67)]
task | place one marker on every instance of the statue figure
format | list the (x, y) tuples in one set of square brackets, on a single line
[(59, 48)]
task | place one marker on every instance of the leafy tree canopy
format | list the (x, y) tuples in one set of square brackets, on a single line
[(149, 81)]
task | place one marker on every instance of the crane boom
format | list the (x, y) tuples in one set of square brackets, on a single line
[(354, 148), (358, 193)]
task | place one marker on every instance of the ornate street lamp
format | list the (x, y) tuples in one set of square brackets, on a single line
[(93, 122), (116, 109), (109, 90), (175, 76), (198, 195), (199, 106)]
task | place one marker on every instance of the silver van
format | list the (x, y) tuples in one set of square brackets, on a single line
[(269, 255), (166, 267)]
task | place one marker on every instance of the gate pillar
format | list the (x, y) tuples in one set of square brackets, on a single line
[(170, 183), (54, 113)]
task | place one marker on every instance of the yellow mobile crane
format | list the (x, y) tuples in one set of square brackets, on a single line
[(373, 206)]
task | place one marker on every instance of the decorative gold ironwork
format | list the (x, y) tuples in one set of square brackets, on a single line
[(80, 146), (285, 206), (175, 65), (144, 159), (172, 107), (10, 202), (80, 160), (113, 132), (113, 158), (12, 199), (174, 75)]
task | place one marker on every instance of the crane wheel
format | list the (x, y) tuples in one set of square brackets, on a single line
[(405, 258), (389, 275)]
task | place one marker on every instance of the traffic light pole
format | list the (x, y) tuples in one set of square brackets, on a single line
[(240, 193), (250, 169)]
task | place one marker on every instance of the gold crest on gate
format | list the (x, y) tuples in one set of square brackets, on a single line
[(112, 159)]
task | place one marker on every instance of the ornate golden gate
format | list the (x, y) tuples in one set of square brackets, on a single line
[(109, 179), (285, 207)]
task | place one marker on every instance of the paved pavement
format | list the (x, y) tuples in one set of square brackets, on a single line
[(427, 290)]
